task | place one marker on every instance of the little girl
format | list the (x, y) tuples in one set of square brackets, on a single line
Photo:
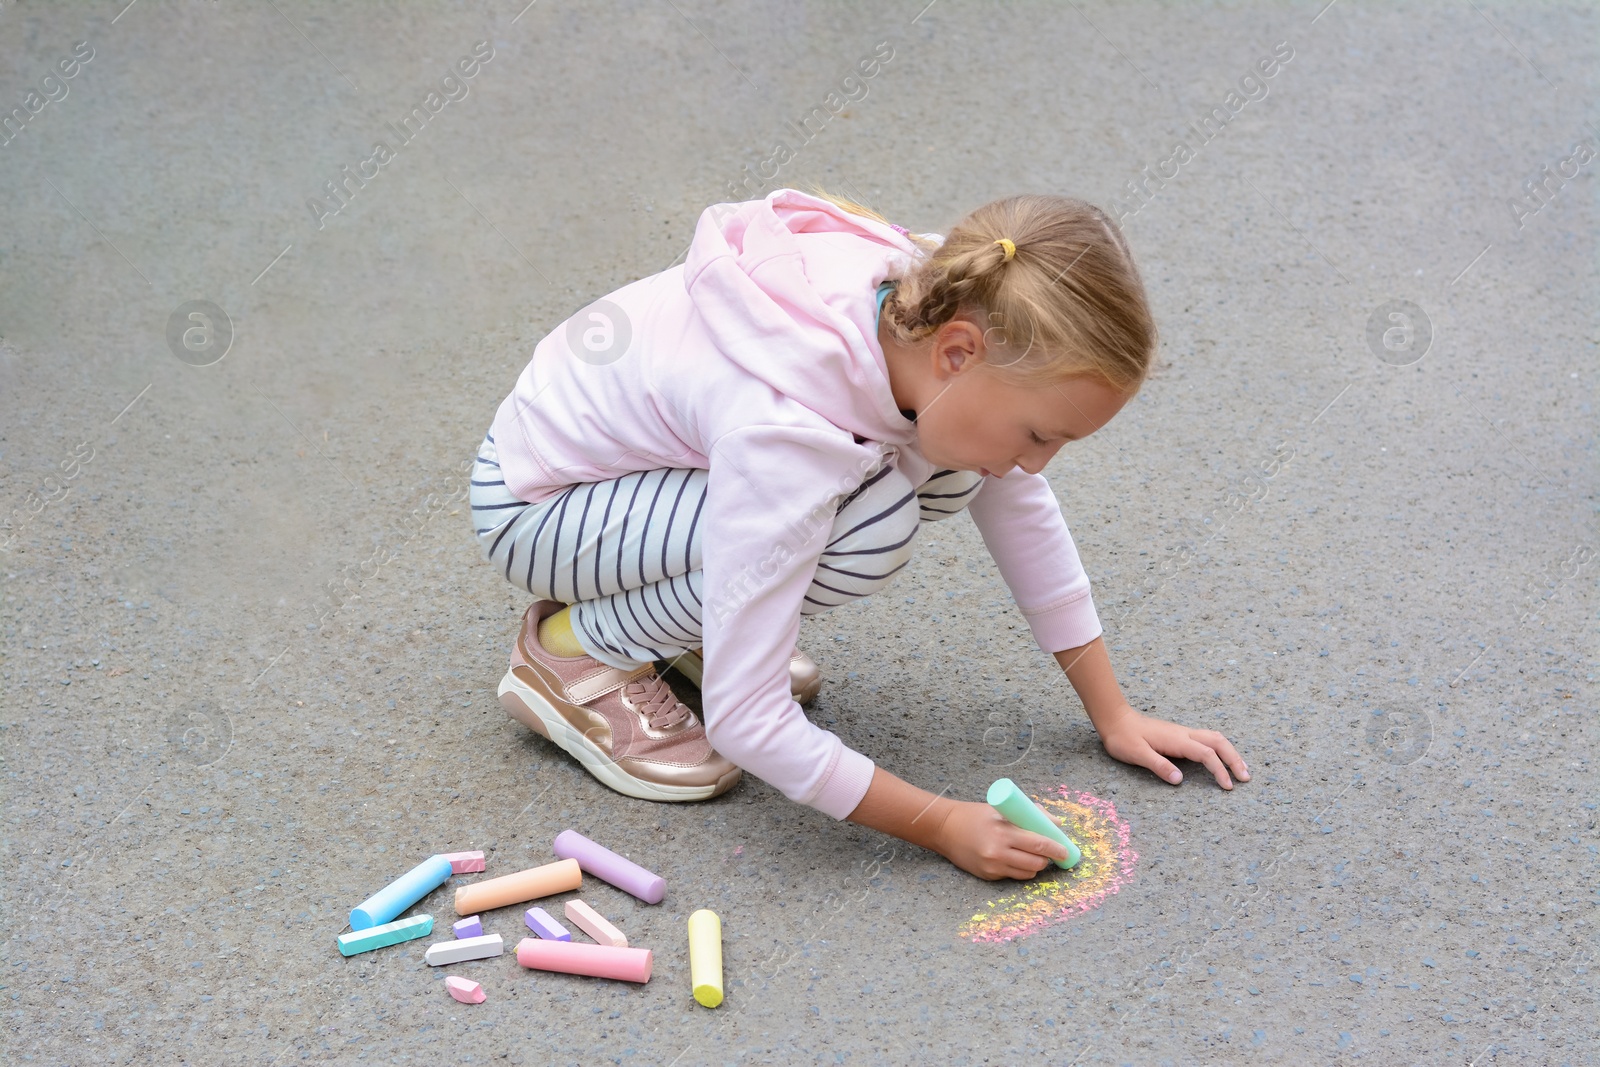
[(689, 465)]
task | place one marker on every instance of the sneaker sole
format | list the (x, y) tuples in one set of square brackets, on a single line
[(526, 706)]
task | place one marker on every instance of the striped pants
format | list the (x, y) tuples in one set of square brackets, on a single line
[(625, 553)]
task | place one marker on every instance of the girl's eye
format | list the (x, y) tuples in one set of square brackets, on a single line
[(1036, 438)]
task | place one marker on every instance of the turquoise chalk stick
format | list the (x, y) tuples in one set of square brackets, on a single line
[(407, 929), (1013, 803)]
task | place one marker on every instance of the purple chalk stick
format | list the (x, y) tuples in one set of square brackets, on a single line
[(601, 862), (471, 926), (539, 922)]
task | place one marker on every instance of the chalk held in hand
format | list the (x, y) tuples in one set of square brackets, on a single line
[(1019, 810), (705, 957), (465, 990), (579, 957), (531, 884), (400, 894), (620, 871), (407, 929), (539, 921), (594, 924), (467, 948)]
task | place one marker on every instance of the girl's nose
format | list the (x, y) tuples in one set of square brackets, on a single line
[(1039, 459)]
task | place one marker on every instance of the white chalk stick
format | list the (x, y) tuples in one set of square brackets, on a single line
[(467, 948)]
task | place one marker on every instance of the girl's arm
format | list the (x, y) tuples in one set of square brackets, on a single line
[(972, 836), (1139, 739), (978, 840)]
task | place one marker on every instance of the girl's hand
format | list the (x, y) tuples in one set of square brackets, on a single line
[(980, 841), (1147, 742)]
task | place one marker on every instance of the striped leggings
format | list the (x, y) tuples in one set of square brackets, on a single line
[(625, 553)]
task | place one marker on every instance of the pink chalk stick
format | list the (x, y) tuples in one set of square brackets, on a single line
[(580, 957), (465, 990), (464, 862), (601, 862), (471, 926), (594, 924)]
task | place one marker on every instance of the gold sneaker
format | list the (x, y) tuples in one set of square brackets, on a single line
[(627, 728)]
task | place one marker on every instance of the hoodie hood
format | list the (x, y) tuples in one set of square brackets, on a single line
[(786, 288)]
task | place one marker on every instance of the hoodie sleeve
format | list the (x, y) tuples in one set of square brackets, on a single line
[(1024, 530), (771, 499)]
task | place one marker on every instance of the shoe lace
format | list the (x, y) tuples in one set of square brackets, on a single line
[(657, 702)]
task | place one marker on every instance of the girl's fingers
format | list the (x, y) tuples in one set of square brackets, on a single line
[(1230, 755), (1028, 852), (1024, 865), (1201, 752), (1164, 768), (1225, 749)]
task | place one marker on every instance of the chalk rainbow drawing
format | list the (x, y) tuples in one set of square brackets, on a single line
[(1056, 895)]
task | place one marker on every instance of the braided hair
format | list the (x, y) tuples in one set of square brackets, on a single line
[(1067, 303)]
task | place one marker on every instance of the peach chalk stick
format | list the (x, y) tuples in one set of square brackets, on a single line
[(536, 882), (594, 924), (578, 957), (464, 862), (465, 990)]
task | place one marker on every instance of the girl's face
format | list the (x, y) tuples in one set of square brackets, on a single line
[(968, 419)]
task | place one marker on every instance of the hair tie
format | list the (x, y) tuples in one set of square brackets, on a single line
[(1011, 249), (901, 230)]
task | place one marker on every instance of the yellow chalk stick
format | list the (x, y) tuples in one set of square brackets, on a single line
[(705, 957)]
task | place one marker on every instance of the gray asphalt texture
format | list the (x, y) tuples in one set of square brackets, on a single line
[(250, 649)]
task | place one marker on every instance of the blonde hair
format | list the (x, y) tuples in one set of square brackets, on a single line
[(1069, 303)]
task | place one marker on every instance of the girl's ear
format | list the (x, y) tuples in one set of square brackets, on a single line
[(960, 346)]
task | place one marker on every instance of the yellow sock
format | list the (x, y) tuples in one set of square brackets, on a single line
[(556, 635)]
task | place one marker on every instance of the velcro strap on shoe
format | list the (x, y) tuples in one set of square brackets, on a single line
[(602, 680)]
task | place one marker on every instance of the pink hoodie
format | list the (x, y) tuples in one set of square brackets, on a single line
[(758, 360)]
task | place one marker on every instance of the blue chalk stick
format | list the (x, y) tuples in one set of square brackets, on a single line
[(400, 894), (539, 921)]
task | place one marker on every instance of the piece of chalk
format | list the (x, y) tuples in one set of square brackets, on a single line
[(531, 884), (601, 862), (705, 957), (468, 948), (400, 894), (540, 922), (464, 862), (407, 929), (580, 957), (594, 924), (471, 926), (1019, 810), (465, 990)]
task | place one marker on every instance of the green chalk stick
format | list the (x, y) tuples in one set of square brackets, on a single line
[(1013, 803), (407, 929)]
